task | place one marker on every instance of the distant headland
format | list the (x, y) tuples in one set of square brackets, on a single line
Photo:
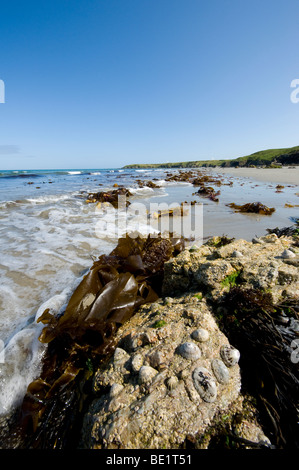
[(272, 158)]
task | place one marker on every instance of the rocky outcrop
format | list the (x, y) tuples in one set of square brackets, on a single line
[(174, 375), (269, 263), (167, 379)]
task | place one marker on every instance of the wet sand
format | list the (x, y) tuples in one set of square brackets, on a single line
[(287, 175)]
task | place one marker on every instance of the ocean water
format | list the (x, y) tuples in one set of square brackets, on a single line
[(50, 237)]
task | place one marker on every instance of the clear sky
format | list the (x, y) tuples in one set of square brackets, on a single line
[(104, 83)]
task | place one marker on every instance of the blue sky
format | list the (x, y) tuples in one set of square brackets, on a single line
[(104, 83)]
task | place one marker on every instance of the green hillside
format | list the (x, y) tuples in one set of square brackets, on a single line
[(271, 157)]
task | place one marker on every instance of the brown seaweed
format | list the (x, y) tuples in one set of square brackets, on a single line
[(199, 181), (252, 207), (208, 192), (109, 196), (252, 324), (108, 295)]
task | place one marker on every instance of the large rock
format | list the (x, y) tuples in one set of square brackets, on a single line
[(166, 381), (170, 379), (261, 264)]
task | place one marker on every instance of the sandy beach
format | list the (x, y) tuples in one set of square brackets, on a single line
[(287, 175)]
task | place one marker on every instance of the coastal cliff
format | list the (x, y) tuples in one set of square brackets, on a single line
[(268, 158)]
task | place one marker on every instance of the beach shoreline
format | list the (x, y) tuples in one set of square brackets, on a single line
[(287, 175)]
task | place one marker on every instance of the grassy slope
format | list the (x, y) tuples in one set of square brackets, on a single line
[(264, 157)]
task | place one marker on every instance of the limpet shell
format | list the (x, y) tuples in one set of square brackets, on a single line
[(256, 240), (287, 254), (200, 335), (189, 350), (220, 370), (204, 384), (229, 355), (237, 254)]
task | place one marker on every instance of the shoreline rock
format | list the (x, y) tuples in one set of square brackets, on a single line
[(260, 264), (160, 401), (169, 384), (168, 394)]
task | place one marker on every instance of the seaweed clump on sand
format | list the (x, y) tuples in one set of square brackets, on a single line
[(292, 231), (82, 337), (253, 207), (109, 196), (208, 192), (262, 333)]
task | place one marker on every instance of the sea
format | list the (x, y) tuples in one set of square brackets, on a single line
[(50, 236)]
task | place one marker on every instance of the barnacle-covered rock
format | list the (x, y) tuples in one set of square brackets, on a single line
[(205, 384), (158, 406)]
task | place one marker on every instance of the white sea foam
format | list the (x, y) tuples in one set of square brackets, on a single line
[(22, 364), (23, 354), (163, 182), (51, 198), (147, 192), (142, 191), (74, 172)]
